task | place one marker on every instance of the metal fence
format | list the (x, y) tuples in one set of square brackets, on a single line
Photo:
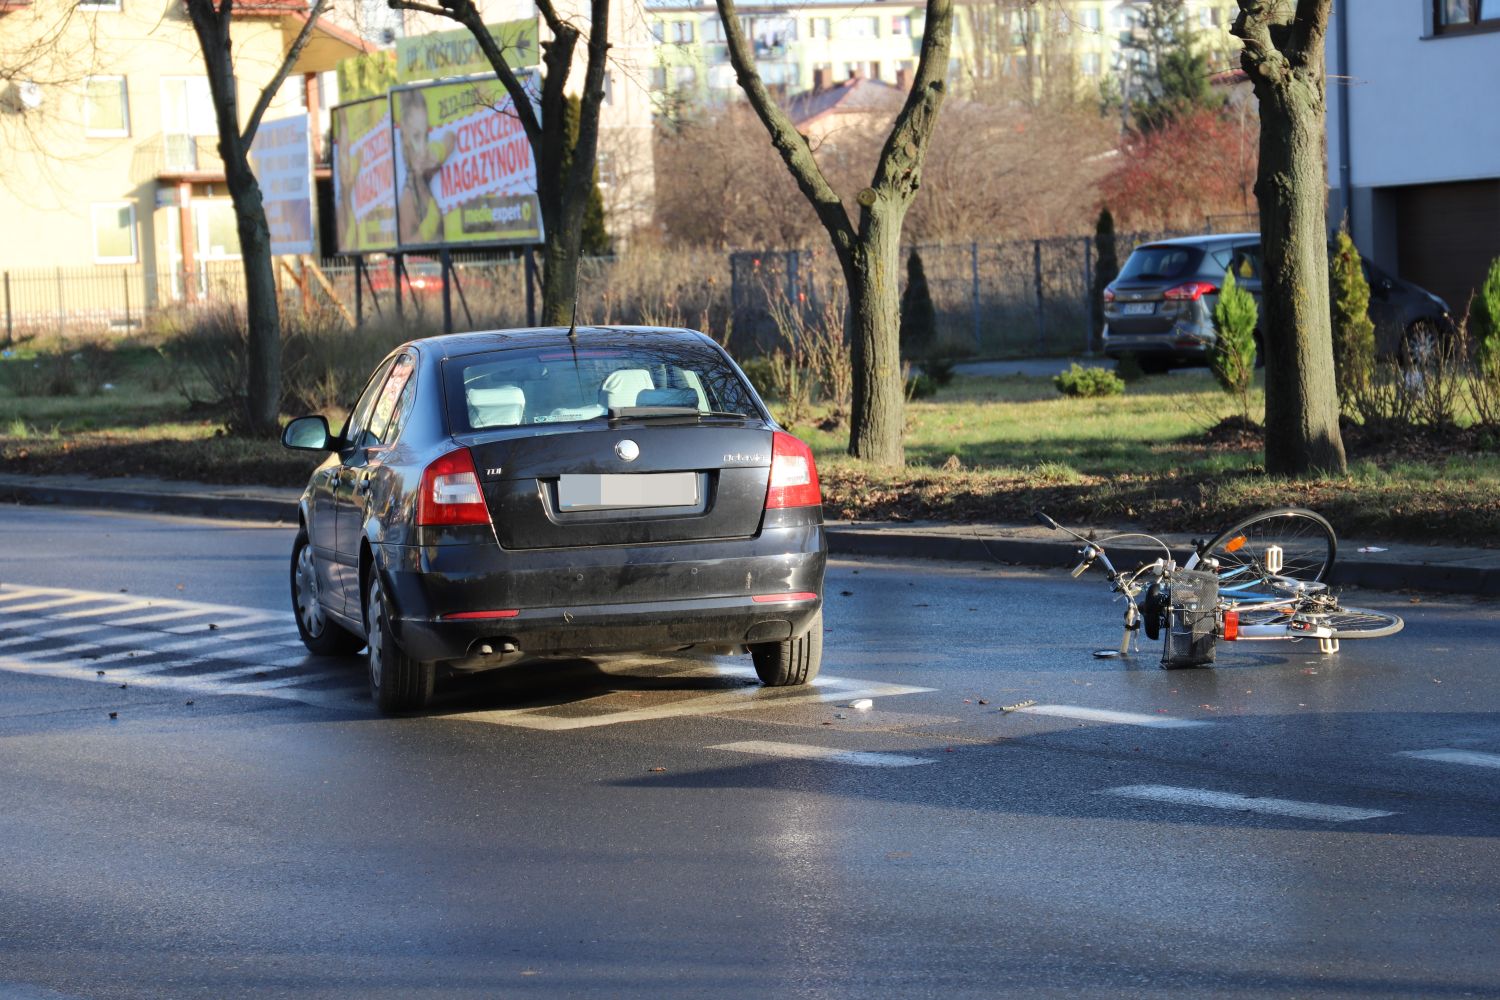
[(1017, 297)]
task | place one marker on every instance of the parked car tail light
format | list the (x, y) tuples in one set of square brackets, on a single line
[(1189, 291), (450, 492), (794, 476), (1109, 294)]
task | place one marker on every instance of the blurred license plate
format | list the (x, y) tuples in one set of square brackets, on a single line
[(1138, 308), (605, 492)]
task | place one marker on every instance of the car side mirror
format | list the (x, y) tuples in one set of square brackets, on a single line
[(308, 434)]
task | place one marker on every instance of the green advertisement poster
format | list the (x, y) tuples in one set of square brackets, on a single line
[(464, 168), (446, 54), (364, 176)]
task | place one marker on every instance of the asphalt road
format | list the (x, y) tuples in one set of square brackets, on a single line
[(1286, 824)]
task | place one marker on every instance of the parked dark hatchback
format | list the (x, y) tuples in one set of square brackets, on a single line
[(1161, 306), (498, 496)]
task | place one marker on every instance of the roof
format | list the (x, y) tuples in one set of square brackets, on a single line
[(455, 345), (855, 96), (9, 6), (329, 45)]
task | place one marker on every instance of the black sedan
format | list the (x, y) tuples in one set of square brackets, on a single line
[(521, 493)]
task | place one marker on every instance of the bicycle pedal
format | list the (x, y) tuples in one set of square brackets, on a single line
[(1328, 645)]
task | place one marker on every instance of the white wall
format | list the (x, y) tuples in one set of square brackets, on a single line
[(1421, 108)]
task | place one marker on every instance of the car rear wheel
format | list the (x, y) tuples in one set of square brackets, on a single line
[(398, 683), (319, 634), (790, 661)]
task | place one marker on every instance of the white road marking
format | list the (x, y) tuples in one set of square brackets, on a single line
[(1121, 718), (161, 616), (802, 751), (1471, 757), (745, 699), (57, 601), (204, 684), (1234, 802), (117, 609), (8, 593)]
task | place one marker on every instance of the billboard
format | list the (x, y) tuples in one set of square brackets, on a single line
[(464, 169), (366, 76), (364, 177), (446, 54), (281, 157)]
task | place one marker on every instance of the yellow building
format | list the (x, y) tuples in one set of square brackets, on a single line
[(111, 189)]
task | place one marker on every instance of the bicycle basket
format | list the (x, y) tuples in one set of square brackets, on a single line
[(1192, 620)]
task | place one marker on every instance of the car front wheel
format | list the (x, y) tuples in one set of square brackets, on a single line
[(790, 661), (321, 636), (398, 683)]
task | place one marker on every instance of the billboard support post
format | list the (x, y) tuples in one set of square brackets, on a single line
[(463, 299), (530, 286), (359, 292), (398, 275), (445, 258)]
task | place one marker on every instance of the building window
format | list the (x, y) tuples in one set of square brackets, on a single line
[(818, 27), (684, 77), (658, 78), (713, 29), (682, 32), (606, 168), (901, 26), (1466, 15), (106, 112), (187, 106), (1089, 64), (859, 27), (114, 232), (98, 4), (1088, 19)]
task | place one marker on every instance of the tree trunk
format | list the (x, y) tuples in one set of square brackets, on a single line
[(872, 273), (262, 311), (1283, 57), (1302, 412)]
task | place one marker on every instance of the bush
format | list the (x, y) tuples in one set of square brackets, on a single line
[(920, 386), (1353, 333), (1088, 382), (760, 371), (1484, 324), (1233, 357), (918, 315), (940, 370)]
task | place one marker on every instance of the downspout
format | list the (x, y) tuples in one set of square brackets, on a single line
[(1346, 173)]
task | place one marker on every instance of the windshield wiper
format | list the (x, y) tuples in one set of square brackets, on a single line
[(649, 412)]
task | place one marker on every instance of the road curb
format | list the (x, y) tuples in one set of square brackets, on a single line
[(878, 541), (231, 507), (1376, 574)]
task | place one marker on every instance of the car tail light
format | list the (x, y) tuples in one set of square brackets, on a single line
[(794, 476), (450, 492), (1231, 625), (1189, 291), (784, 598), (1109, 294)]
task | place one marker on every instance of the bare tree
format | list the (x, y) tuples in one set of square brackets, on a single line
[(563, 194), (869, 253), (211, 24), (1283, 56)]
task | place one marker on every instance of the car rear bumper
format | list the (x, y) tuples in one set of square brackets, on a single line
[(605, 599), (1181, 346)]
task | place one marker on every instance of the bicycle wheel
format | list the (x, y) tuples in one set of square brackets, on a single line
[(1361, 623), (1305, 538)]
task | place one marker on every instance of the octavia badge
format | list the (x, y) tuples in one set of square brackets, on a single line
[(628, 450)]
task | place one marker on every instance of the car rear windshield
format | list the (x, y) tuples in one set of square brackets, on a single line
[(1161, 263), (553, 385)]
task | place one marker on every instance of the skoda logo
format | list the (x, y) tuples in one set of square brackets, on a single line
[(628, 450)]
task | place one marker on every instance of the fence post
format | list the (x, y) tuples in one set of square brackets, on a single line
[(125, 281), (445, 258), (1036, 268), (359, 292), (530, 286), (974, 290), (1088, 296), (9, 331), (793, 258), (61, 330)]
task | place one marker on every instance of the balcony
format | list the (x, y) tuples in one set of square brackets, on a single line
[(176, 157)]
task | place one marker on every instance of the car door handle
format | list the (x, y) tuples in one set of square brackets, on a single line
[(363, 486)]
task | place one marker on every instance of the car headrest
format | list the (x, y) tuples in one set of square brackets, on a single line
[(620, 388), (667, 397), (500, 406)]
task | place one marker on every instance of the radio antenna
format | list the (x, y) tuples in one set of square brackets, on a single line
[(573, 326)]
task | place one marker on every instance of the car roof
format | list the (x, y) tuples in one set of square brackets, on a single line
[(455, 345), (1206, 240)]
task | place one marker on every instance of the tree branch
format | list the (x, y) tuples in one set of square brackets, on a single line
[(554, 23), (784, 136), (466, 14), (900, 163), (1309, 30), (270, 89), (1260, 58)]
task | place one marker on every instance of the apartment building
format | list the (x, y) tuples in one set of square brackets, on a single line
[(1413, 139), (801, 46), (108, 145)]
